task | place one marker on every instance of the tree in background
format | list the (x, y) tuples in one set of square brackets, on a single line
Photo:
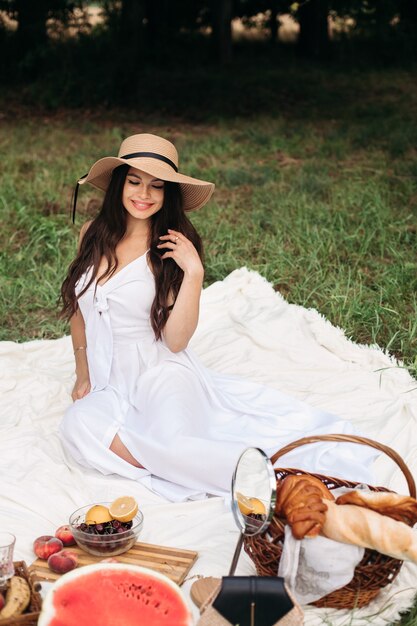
[(408, 23), (313, 40), (250, 10), (312, 16), (124, 21), (408, 11), (32, 17), (221, 22)]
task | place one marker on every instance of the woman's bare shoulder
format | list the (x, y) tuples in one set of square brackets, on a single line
[(83, 230), (85, 227)]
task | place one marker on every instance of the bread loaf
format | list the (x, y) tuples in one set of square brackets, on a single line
[(356, 525), (401, 508)]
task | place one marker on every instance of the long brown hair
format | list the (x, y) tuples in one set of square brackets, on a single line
[(107, 230)]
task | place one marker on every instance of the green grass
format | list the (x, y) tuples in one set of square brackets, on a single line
[(316, 192), (321, 202), (410, 618)]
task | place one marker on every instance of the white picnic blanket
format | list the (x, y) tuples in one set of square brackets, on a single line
[(247, 329)]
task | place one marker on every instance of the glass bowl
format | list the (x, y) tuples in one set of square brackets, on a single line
[(104, 544)]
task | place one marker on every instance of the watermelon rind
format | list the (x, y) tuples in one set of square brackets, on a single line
[(48, 611)]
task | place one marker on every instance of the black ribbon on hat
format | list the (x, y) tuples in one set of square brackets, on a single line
[(74, 198), (152, 155)]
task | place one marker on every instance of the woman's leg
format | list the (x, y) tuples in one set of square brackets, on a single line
[(89, 428), (120, 449)]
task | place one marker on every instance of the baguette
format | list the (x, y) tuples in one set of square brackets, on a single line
[(356, 525), (401, 508)]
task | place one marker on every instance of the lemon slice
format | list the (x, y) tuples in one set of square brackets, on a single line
[(124, 509), (244, 503), (258, 507), (98, 514)]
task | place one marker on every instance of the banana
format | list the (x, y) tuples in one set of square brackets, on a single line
[(17, 597)]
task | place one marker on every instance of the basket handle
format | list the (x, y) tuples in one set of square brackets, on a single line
[(352, 439)]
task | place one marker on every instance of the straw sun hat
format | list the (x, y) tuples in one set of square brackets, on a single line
[(155, 156)]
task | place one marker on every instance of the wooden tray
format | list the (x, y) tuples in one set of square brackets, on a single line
[(173, 562)]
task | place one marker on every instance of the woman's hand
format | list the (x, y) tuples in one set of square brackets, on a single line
[(81, 388), (183, 252), (183, 319)]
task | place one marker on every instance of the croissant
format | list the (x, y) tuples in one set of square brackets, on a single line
[(300, 503), (293, 486), (362, 527), (401, 508)]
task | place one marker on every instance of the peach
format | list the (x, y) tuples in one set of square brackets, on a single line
[(63, 561), (46, 545), (64, 533)]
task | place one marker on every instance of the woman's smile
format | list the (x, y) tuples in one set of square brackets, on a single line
[(141, 205)]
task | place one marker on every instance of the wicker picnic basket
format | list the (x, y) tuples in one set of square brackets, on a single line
[(375, 570)]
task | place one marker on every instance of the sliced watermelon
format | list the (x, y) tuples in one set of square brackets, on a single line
[(114, 594)]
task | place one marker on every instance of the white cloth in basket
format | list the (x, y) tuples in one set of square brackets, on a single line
[(314, 567)]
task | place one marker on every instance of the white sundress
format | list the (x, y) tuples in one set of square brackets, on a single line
[(186, 424)]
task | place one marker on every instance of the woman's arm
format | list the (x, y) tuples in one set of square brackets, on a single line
[(79, 342), (82, 383), (183, 319)]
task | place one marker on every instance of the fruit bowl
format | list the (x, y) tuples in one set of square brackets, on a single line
[(106, 539)]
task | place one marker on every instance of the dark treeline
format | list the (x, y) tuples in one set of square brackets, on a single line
[(51, 51)]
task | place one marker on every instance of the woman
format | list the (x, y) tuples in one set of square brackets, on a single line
[(144, 407)]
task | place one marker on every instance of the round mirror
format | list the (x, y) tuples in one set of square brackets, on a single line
[(253, 491)]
